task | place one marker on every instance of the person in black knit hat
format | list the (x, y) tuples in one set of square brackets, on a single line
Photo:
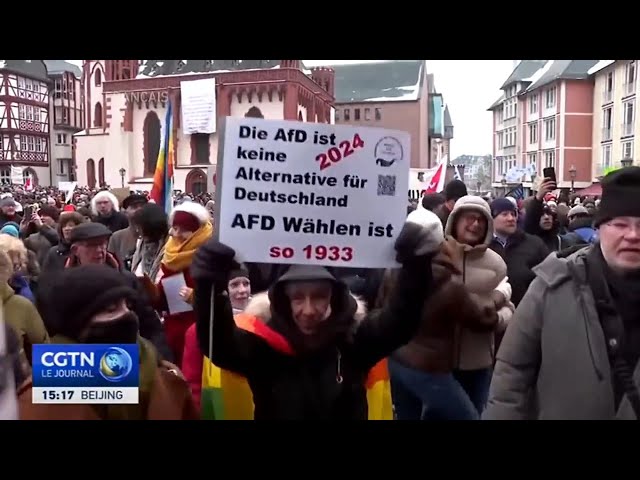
[(81, 293), (574, 342), (453, 191), (93, 307), (620, 195)]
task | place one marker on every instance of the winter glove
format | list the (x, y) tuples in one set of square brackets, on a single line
[(213, 262), (420, 236)]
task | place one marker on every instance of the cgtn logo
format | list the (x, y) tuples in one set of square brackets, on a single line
[(86, 373)]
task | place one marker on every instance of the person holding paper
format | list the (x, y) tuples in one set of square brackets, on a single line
[(190, 229), (307, 346)]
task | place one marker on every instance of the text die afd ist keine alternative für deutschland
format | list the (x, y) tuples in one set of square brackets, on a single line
[(298, 224)]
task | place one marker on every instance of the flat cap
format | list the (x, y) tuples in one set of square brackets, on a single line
[(89, 231)]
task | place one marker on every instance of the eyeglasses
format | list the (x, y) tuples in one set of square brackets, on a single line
[(624, 226)]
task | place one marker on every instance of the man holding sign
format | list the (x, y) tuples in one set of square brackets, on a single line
[(307, 347)]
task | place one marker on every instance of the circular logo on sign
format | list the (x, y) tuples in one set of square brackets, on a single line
[(388, 151)]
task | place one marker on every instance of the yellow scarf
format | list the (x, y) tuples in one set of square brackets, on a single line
[(178, 256)]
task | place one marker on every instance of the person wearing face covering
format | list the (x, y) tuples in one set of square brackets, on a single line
[(93, 307), (306, 347)]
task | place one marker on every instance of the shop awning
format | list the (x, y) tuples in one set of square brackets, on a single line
[(595, 189)]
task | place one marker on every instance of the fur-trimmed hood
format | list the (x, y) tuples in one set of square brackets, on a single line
[(102, 195), (272, 307), (477, 204), (260, 306), (195, 209)]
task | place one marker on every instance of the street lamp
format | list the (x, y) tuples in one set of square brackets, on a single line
[(626, 162), (122, 174), (572, 174)]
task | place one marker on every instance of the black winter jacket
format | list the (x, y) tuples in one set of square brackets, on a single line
[(522, 253), (328, 383)]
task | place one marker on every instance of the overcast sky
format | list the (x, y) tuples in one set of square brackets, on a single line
[(469, 87)]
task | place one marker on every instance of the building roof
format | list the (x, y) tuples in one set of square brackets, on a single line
[(523, 71), (497, 102), (55, 67), (447, 117), (157, 68), (29, 68), (389, 80), (601, 65), (560, 70)]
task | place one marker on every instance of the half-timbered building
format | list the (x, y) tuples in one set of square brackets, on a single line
[(126, 101), (67, 107), (24, 119)]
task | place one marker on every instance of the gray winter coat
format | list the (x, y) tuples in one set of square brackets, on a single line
[(553, 363)]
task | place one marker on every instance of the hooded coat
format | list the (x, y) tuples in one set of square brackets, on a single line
[(460, 318), (483, 272), (553, 363), (287, 382), (288, 378)]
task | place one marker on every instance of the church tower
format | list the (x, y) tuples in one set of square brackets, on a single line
[(94, 73)]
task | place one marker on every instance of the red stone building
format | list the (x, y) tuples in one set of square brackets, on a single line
[(126, 100)]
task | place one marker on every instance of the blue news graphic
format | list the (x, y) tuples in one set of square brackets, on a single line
[(86, 365)]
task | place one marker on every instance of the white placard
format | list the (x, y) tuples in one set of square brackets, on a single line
[(311, 193), (198, 100), (17, 175)]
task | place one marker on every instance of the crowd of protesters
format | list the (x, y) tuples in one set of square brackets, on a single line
[(505, 308)]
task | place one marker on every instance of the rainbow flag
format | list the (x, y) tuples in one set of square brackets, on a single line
[(227, 396), (162, 190)]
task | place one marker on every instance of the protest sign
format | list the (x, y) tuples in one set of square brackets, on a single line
[(311, 193)]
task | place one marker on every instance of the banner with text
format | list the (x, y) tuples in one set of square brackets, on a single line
[(198, 100), (311, 193)]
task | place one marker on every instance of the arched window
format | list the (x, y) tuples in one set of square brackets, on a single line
[(98, 78), (254, 112), (101, 180), (151, 142), (196, 182), (300, 119), (91, 173), (97, 115)]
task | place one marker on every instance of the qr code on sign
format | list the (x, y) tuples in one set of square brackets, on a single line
[(387, 185)]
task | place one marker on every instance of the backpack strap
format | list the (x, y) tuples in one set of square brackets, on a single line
[(613, 327)]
